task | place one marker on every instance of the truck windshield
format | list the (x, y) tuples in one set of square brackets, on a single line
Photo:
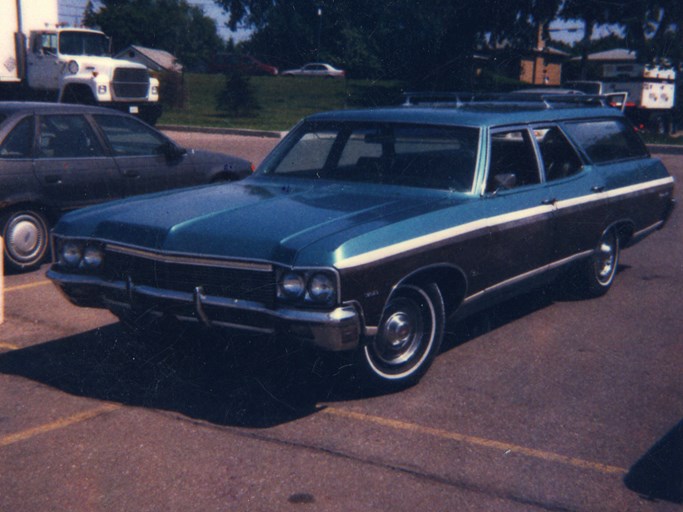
[(83, 43)]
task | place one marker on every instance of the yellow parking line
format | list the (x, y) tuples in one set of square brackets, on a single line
[(58, 424), (27, 286), (506, 448)]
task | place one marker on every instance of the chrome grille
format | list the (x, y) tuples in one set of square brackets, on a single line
[(131, 83), (221, 281)]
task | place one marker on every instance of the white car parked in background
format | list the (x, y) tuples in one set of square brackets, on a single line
[(316, 69)]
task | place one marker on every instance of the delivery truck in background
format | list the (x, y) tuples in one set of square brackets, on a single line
[(42, 59), (651, 92)]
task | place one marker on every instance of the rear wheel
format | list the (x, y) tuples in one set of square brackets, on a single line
[(598, 272), (25, 234), (408, 338)]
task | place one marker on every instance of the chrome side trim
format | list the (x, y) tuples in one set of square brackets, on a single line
[(527, 275), (444, 234), (650, 229), (498, 220), (638, 187)]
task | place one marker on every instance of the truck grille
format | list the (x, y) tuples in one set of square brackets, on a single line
[(131, 83), (233, 283)]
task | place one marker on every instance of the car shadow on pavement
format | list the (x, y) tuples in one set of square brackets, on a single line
[(222, 378), (658, 475), (494, 317), (238, 381)]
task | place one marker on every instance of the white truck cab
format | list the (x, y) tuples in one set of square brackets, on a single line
[(48, 60), (76, 63)]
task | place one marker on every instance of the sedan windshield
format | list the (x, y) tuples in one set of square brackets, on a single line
[(397, 154)]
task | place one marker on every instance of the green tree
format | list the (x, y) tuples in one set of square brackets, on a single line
[(434, 41), (171, 25), (426, 42)]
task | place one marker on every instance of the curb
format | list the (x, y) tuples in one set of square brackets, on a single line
[(671, 149), (225, 131)]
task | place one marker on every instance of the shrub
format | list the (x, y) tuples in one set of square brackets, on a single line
[(237, 97)]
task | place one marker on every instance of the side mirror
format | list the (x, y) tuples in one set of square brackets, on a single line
[(171, 151), (505, 181)]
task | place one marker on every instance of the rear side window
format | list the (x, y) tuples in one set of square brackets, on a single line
[(19, 142), (512, 161), (67, 136), (607, 140), (559, 158)]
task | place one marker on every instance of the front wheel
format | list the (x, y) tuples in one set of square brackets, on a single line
[(25, 233), (408, 338)]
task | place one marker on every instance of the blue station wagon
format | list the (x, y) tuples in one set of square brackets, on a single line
[(364, 231)]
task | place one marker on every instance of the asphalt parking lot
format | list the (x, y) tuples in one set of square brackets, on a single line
[(546, 403)]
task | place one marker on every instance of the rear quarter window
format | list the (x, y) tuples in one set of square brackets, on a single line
[(607, 140)]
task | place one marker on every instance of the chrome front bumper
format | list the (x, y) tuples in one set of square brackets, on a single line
[(335, 330)]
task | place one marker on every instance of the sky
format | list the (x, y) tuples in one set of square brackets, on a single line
[(71, 11)]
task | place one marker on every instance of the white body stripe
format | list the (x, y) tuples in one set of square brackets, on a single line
[(469, 227)]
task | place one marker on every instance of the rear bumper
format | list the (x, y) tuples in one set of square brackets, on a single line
[(335, 330)]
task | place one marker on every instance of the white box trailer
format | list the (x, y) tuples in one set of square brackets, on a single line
[(41, 59), (20, 18), (651, 92)]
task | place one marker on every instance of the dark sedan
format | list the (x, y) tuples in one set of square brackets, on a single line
[(58, 157)]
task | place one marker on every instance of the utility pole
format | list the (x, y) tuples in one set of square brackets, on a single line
[(320, 30)]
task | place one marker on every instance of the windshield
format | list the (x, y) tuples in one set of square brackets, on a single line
[(83, 43), (397, 154)]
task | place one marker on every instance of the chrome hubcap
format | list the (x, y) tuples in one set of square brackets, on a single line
[(400, 336), (605, 259), (25, 238)]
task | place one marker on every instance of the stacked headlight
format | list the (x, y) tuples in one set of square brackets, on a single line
[(78, 254), (315, 287), (71, 254)]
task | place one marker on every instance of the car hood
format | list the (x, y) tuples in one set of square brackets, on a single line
[(294, 222)]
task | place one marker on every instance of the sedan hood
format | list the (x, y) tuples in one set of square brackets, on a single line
[(257, 218)]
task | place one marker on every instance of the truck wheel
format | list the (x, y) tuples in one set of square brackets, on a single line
[(660, 125), (25, 233), (81, 96)]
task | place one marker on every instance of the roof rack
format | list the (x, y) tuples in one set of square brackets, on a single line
[(538, 99)]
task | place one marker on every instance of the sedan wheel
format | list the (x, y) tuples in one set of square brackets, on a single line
[(26, 239), (408, 338)]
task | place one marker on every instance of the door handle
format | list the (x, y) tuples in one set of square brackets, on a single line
[(598, 188), (549, 201), (130, 173)]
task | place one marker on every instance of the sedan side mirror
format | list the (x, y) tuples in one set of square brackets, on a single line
[(171, 151)]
